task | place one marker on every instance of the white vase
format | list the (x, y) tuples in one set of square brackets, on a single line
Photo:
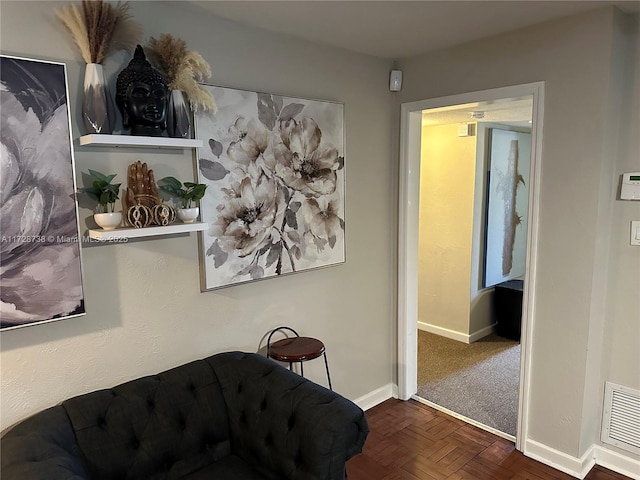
[(98, 110), (108, 221), (178, 121), (188, 215)]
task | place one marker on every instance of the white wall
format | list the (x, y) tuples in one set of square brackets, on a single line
[(620, 353), (623, 329), (145, 310), (575, 57), (447, 177)]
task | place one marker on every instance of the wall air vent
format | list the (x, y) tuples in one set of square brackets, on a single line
[(621, 417)]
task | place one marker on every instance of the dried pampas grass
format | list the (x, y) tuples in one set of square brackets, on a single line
[(183, 69), (166, 54), (98, 27)]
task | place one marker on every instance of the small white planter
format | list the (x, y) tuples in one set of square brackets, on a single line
[(108, 221), (188, 215)]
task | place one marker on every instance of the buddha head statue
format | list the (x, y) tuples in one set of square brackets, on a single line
[(142, 95)]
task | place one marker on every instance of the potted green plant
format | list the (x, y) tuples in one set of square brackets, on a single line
[(188, 194), (105, 193)]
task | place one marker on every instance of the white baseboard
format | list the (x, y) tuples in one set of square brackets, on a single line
[(617, 462), (376, 397), (576, 467), (483, 332), (580, 467), (453, 335), (444, 332)]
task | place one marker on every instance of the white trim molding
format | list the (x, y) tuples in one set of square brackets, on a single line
[(459, 336), (376, 397), (576, 467), (483, 332), (408, 214), (617, 462), (580, 467)]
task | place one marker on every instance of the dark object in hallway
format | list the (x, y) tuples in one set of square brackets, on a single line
[(507, 301), (411, 441), (230, 416)]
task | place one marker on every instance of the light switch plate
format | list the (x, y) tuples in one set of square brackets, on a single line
[(635, 233)]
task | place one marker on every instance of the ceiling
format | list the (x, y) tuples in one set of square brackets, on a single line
[(399, 29), (517, 112)]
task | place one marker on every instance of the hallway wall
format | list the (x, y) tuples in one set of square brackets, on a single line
[(447, 178)]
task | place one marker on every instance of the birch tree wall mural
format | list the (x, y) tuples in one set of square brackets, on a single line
[(508, 205)]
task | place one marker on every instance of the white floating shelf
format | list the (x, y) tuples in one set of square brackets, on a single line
[(123, 233), (100, 140)]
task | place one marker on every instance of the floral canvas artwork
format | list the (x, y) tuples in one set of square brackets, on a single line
[(274, 167), (40, 262)]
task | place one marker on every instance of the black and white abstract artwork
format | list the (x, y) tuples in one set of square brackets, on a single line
[(40, 262), (274, 170)]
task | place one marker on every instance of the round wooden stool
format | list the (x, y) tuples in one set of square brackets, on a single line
[(297, 350)]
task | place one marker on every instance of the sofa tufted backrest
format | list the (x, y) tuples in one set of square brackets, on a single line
[(162, 426), (42, 446), (284, 425)]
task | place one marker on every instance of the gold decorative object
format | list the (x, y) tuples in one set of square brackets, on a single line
[(163, 214), (139, 216), (147, 200)]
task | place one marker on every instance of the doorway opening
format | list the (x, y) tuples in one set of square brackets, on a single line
[(474, 180), (469, 312)]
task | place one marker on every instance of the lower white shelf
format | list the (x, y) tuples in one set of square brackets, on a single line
[(121, 233)]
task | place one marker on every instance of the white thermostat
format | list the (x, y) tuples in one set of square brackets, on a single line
[(630, 189)]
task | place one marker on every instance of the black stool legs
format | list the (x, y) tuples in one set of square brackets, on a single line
[(326, 366)]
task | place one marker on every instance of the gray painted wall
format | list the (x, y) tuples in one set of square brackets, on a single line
[(145, 310), (587, 280)]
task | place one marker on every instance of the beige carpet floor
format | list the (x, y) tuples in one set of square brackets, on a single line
[(478, 380)]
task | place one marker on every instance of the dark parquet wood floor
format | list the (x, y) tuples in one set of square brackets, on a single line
[(411, 441)]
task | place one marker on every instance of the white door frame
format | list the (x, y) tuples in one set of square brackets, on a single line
[(408, 220)]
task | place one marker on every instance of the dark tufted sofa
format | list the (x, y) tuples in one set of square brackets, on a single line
[(231, 416)]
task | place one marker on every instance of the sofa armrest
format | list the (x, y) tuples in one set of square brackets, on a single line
[(287, 427), (42, 447)]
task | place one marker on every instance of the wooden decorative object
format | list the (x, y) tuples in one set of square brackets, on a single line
[(163, 214), (141, 187)]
